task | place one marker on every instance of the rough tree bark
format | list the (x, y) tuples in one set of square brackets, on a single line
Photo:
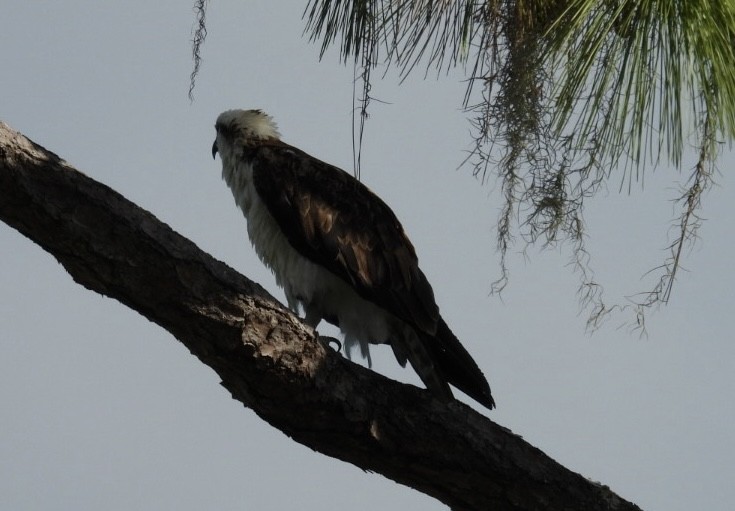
[(268, 359)]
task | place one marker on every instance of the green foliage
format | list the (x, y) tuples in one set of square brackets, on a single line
[(636, 73), (408, 30), (562, 93)]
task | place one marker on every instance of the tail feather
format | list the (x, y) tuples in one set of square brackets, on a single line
[(457, 366), (413, 347)]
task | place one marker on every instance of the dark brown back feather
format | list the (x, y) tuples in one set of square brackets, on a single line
[(338, 223)]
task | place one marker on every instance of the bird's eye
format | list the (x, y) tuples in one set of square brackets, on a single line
[(224, 129)]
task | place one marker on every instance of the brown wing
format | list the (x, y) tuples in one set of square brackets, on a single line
[(337, 222)]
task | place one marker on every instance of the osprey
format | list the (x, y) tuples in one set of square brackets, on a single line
[(339, 253)]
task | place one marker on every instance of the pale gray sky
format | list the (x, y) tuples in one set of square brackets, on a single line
[(103, 410)]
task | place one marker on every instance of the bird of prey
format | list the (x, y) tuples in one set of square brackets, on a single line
[(339, 253)]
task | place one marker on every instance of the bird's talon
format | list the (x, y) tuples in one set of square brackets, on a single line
[(331, 340)]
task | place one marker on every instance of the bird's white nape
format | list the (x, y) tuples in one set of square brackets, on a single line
[(251, 123)]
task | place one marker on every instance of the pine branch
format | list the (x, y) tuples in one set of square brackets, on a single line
[(267, 358)]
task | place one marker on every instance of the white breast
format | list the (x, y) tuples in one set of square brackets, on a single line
[(304, 282)]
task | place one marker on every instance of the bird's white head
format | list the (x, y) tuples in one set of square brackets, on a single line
[(238, 128)]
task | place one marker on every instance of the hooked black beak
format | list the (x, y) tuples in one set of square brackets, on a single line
[(214, 149)]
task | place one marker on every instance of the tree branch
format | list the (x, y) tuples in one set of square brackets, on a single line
[(267, 358)]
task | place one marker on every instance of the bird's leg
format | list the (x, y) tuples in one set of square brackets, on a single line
[(313, 319)]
